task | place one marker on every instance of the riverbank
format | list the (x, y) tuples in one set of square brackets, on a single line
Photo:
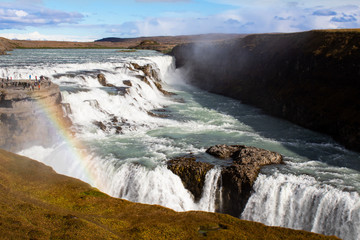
[(37, 203), (309, 78)]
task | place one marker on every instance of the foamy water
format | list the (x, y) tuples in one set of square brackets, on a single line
[(317, 190)]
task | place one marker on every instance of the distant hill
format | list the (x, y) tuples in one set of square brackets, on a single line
[(165, 43), (175, 39), (114, 39)]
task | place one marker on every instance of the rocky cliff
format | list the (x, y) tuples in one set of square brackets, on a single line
[(310, 78), (37, 203), (29, 117)]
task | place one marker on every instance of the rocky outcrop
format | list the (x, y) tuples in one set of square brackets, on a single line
[(127, 83), (191, 172), (29, 118), (102, 80), (147, 70), (237, 179), (310, 78)]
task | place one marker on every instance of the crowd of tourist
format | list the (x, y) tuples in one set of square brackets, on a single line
[(30, 84)]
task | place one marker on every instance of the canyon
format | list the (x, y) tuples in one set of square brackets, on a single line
[(309, 78)]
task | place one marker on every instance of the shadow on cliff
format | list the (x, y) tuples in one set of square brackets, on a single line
[(274, 132)]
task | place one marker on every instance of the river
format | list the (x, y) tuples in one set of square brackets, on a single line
[(316, 190)]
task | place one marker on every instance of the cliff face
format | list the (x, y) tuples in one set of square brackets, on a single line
[(5, 45), (27, 117), (37, 203), (310, 78)]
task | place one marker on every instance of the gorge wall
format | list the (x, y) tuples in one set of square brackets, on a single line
[(27, 117), (309, 78)]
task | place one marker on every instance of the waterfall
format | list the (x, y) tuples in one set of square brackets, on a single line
[(300, 202), (159, 186), (126, 158), (210, 190)]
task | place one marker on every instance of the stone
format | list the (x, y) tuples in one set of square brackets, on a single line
[(191, 172), (101, 125), (222, 151), (147, 70), (102, 80), (127, 83), (118, 130)]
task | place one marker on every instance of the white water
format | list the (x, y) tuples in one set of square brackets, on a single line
[(301, 202), (317, 190)]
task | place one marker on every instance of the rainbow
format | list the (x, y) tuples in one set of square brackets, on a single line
[(75, 151)]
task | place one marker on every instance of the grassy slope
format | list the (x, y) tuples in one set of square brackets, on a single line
[(37, 203)]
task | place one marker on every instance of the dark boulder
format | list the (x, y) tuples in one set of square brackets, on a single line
[(127, 83), (102, 80), (191, 172), (100, 125), (245, 155), (222, 151)]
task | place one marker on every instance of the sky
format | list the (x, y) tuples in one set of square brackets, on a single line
[(88, 20)]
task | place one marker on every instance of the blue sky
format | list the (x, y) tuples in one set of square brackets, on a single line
[(88, 20)]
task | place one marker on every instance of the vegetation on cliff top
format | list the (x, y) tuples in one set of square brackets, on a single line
[(37, 203)]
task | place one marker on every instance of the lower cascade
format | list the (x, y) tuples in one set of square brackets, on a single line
[(300, 202), (127, 124)]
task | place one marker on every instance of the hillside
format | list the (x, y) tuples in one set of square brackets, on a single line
[(5, 45), (37, 203), (310, 78), (165, 43)]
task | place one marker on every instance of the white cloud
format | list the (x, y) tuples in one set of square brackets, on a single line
[(21, 13), (43, 37), (290, 17), (20, 16)]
